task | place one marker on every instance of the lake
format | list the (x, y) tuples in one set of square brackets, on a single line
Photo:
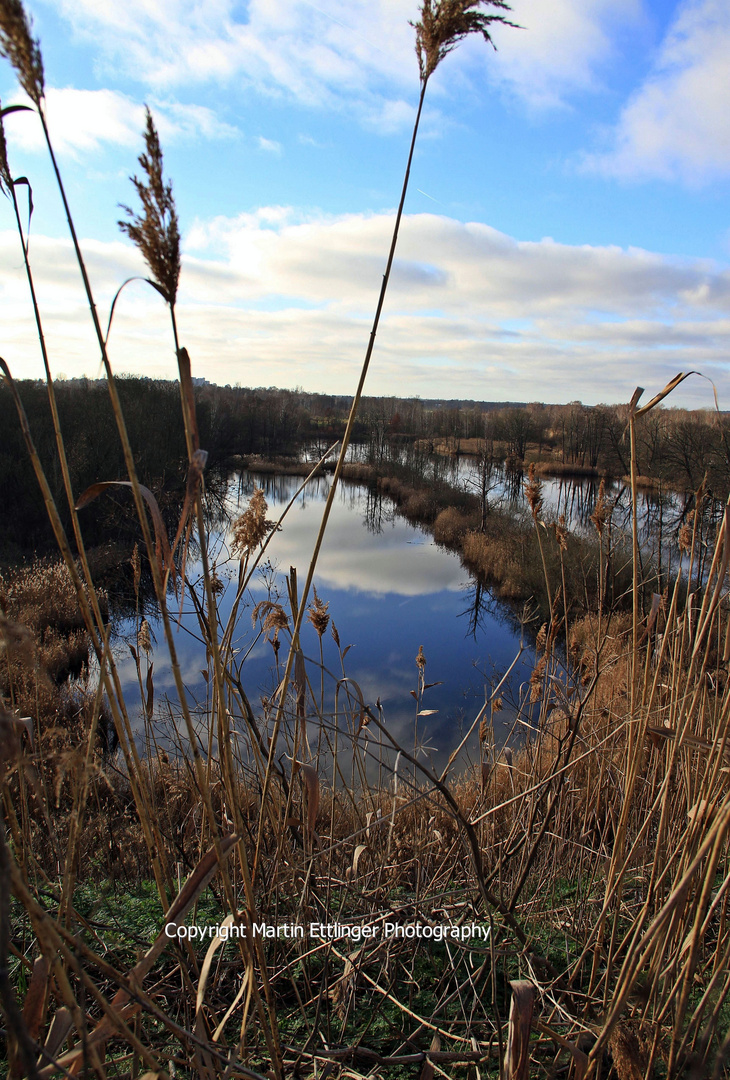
[(391, 591)]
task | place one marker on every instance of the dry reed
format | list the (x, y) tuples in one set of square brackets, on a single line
[(592, 851)]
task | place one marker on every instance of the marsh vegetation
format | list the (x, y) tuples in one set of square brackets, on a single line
[(580, 870)]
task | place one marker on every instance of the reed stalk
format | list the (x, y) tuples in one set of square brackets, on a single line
[(442, 25), (620, 798)]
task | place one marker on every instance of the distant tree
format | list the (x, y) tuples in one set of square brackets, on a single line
[(516, 428)]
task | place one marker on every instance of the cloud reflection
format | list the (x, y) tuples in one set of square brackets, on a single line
[(401, 561), (390, 592)]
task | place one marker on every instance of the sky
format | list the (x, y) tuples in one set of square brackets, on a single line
[(566, 233)]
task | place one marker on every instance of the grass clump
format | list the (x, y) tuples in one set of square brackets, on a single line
[(45, 639), (452, 525), (497, 561)]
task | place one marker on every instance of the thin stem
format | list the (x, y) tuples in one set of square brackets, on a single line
[(155, 568), (635, 560), (338, 469)]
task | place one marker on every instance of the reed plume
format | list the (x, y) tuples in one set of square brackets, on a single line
[(155, 231), (6, 180), (271, 615), (600, 514), (19, 46), (144, 639), (444, 23), (251, 528), (684, 536), (561, 533), (317, 614), (533, 493)]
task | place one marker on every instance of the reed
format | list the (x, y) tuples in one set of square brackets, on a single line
[(590, 850), (443, 24)]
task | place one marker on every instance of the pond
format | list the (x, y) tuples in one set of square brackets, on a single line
[(391, 591)]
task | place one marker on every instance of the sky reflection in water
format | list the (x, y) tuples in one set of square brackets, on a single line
[(390, 590)]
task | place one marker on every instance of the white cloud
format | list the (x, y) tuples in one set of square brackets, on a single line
[(269, 146), (391, 116), (677, 125), (561, 49), (82, 121), (442, 261), (294, 46), (271, 299), (333, 55), (307, 140), (179, 122), (413, 570)]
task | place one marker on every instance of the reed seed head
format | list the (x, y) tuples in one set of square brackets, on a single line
[(250, 529), (420, 659), (537, 679), (335, 634), (317, 614), (561, 533), (155, 231), (136, 569), (684, 536), (18, 45), (272, 616), (444, 23), (6, 179), (144, 639), (600, 514), (533, 493)]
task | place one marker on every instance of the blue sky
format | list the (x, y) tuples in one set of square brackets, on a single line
[(567, 232)]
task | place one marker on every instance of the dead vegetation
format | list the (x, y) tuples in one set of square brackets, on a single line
[(591, 850), (581, 869)]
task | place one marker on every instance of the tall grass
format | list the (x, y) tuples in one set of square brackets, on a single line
[(590, 851)]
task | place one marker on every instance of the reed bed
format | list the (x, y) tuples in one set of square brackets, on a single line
[(567, 896), (560, 468)]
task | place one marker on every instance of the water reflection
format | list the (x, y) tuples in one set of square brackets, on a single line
[(660, 511), (390, 591)]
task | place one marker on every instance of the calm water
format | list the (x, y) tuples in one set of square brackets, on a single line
[(660, 513), (390, 590), (575, 498)]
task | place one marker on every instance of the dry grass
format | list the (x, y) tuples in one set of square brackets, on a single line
[(497, 561), (560, 468), (44, 636), (564, 812), (42, 595), (452, 525), (591, 849), (360, 472), (560, 822), (646, 483)]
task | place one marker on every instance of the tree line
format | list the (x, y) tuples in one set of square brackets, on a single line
[(675, 446)]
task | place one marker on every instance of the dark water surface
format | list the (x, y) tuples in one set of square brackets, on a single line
[(390, 590)]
